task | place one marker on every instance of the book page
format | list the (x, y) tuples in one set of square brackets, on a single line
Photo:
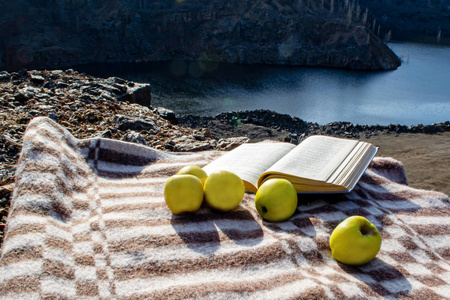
[(250, 160), (315, 158)]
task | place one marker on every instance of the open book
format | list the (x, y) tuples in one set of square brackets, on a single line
[(318, 164)]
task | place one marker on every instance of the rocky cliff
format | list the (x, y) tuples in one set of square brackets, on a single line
[(61, 33), (410, 20)]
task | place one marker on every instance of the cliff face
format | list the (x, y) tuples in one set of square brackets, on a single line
[(60, 33), (410, 20)]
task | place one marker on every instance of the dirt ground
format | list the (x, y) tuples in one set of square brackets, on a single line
[(426, 157)]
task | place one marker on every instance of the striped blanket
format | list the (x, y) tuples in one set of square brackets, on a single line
[(88, 220)]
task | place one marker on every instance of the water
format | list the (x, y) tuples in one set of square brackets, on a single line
[(417, 92)]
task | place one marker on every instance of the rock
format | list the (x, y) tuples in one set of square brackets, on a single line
[(37, 79), (21, 97), (206, 133), (6, 190), (167, 114), (116, 80), (124, 123), (191, 146), (134, 137), (62, 85), (4, 76), (140, 93), (114, 88), (106, 134), (231, 143), (53, 116), (22, 72)]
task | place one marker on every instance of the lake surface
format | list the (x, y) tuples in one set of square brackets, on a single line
[(417, 92)]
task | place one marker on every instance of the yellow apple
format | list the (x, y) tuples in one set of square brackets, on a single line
[(223, 190), (183, 193), (194, 170), (276, 200), (355, 241)]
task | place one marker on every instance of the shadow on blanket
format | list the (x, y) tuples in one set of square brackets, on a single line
[(88, 219), (379, 271)]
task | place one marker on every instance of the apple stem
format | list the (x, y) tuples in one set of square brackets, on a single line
[(366, 230)]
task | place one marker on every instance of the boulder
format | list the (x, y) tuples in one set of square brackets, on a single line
[(134, 123), (139, 93), (167, 114)]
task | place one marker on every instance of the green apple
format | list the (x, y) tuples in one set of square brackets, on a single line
[(355, 241), (183, 193), (194, 170), (224, 190), (276, 200)]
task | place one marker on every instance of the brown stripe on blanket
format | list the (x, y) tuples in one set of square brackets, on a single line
[(55, 206), (102, 274), (445, 253), (408, 242), (431, 229), (259, 256), (240, 214), (191, 239), (375, 290), (55, 242), (337, 278), (34, 227), (20, 285), (174, 240), (435, 268), (430, 280), (121, 158), (403, 257), (337, 292), (98, 248), (378, 290), (75, 185), (424, 293), (131, 207), (384, 196), (25, 229), (325, 208), (231, 290), (31, 188), (46, 128), (81, 204), (141, 173), (84, 260), (22, 253), (115, 184), (57, 269), (82, 237), (131, 194), (427, 212), (57, 153), (87, 288)]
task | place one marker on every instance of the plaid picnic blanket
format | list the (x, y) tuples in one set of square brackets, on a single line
[(88, 220)]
